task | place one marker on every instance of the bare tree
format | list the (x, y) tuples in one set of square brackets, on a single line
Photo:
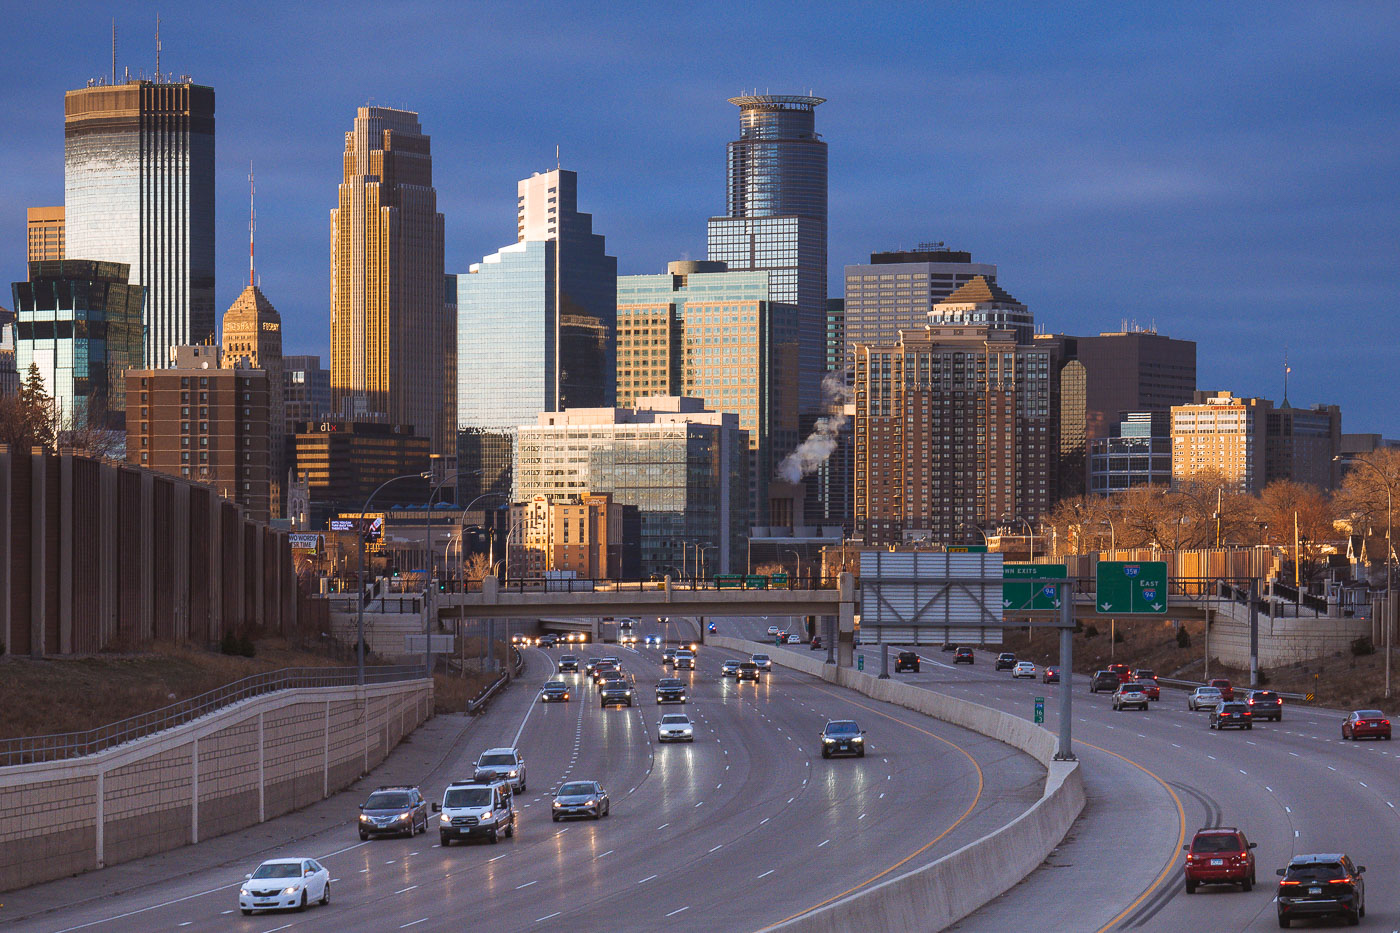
[(476, 568), (1285, 506), (1362, 499)]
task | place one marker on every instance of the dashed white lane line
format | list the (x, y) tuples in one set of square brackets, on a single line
[(605, 854), (526, 884), (404, 890), (495, 858), (663, 826), (767, 873), (791, 799), (717, 848), (405, 926), (1362, 783), (700, 804), (548, 916), (1287, 809), (678, 910), (185, 924), (646, 879), (764, 820), (820, 844)]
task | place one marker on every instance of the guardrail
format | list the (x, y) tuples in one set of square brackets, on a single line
[(64, 745), (1192, 684), (475, 705)]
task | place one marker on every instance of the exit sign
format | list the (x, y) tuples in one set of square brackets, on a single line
[(1132, 587)]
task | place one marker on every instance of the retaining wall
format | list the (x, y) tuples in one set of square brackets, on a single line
[(939, 894), (1284, 641), (238, 766)]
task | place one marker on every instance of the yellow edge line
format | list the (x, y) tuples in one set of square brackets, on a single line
[(954, 825)]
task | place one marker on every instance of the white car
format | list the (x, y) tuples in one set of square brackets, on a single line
[(772, 630), (794, 639), (285, 883), (1203, 698), (1023, 669), (764, 662), (675, 727)]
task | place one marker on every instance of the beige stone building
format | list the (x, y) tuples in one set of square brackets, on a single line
[(253, 340), (1224, 434), (45, 233), (584, 534)]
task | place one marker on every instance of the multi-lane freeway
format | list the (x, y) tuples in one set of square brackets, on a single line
[(742, 829), (1152, 779)]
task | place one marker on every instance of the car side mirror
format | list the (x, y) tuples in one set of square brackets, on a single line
[(248, 877), (1361, 869), (437, 808), (1254, 845), (1281, 872), (362, 806), (1186, 848), (308, 873)]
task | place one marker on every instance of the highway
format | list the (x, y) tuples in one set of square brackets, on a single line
[(1152, 779), (743, 829)]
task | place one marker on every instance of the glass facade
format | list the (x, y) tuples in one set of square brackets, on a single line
[(138, 185), (79, 322)]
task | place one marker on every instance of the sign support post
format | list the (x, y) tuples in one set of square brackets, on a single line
[(1066, 752)]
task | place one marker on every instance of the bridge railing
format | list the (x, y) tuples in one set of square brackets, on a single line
[(608, 585)]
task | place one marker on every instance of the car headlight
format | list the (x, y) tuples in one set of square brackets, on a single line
[(558, 803), (291, 890), (403, 816), (511, 774), (444, 819), (589, 802), (488, 815), (363, 818), (859, 738), (243, 890), (827, 738)]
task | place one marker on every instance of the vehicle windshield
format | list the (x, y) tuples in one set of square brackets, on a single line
[(731, 663), (674, 719), (669, 683), (842, 728), (1128, 688), (576, 789), (1144, 673), (467, 797), (556, 685), (1369, 714), (760, 657), (1216, 843), (489, 760), (1207, 691), (567, 657), (278, 870), (1232, 707), (1321, 871), (386, 802)]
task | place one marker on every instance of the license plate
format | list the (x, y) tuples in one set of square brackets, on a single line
[(1217, 861), (1314, 890)]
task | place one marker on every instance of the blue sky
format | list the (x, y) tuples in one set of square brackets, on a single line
[(1229, 173)]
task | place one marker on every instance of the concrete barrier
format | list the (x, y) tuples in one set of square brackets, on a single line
[(235, 767), (939, 894)]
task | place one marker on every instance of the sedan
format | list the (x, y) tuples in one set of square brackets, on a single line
[(675, 727), (764, 662), (285, 883), (1231, 713), (794, 639), (568, 663), (1050, 675), (729, 668), (670, 690), (772, 630), (580, 798), (1203, 698), (554, 691), (1023, 669), (1366, 724), (393, 811)]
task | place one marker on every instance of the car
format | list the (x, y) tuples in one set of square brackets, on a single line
[(1219, 855), (554, 691), (1265, 704), (782, 637), (1006, 661), (906, 661), (568, 663), (652, 640), (764, 662), (675, 727), (1366, 723), (1149, 687), (1222, 684), (548, 641), (504, 764), (670, 690), (1229, 713), (627, 638), (1104, 680), (1143, 674), (519, 639), (685, 660), (610, 676), (580, 798), (1203, 698), (772, 630), (476, 810), (668, 657), (1023, 669), (284, 884), (729, 668), (1327, 885), (748, 670), (616, 693), (964, 656), (815, 644), (603, 668), (1130, 695), (794, 639), (396, 810), (1123, 671), (948, 646), (591, 665), (1050, 675), (842, 737)]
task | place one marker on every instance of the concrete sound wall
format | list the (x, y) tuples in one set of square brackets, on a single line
[(238, 766), (938, 895)]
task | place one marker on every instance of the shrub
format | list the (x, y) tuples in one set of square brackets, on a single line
[(1117, 637), (245, 646), (229, 645), (1091, 631), (1362, 646), (1183, 638), (1263, 678)]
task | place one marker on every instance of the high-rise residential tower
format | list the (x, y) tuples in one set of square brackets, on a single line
[(776, 221), (535, 319), (45, 233), (138, 188), (389, 322), (253, 340)]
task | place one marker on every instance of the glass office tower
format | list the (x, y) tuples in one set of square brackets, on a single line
[(138, 188), (776, 221), (535, 319)]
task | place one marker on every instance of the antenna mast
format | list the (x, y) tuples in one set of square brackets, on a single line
[(252, 222), (157, 49), (114, 50)]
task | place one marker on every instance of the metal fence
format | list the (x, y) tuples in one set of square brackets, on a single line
[(77, 744)]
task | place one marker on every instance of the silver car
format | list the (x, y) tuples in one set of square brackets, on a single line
[(1130, 694), (675, 727), (1203, 698), (581, 798)]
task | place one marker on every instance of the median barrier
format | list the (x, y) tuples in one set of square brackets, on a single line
[(939, 894)]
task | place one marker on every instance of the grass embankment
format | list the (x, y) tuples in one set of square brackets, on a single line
[(74, 694)]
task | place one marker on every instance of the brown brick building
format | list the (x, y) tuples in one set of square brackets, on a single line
[(204, 423), (342, 462), (586, 534)]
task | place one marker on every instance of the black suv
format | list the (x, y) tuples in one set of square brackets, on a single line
[(670, 690), (1265, 704), (568, 662), (1231, 713), (1006, 661), (398, 810), (748, 670), (843, 737), (906, 661), (1104, 680), (617, 692), (964, 656), (1321, 886)]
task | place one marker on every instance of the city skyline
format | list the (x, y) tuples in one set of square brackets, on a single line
[(1148, 169)]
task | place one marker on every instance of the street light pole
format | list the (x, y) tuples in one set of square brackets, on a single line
[(360, 617)]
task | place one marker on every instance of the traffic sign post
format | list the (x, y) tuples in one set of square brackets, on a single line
[(1039, 710), (1025, 597), (860, 662), (1131, 587)]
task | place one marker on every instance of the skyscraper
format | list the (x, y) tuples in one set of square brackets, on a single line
[(138, 188), (253, 340), (535, 319), (776, 221), (45, 233), (389, 322)]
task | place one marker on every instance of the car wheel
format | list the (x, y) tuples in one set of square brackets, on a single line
[(826, 754), (554, 817), (302, 905), (861, 753), (445, 839), (326, 895), (1283, 921), (1250, 727), (607, 808), (1247, 884), (523, 787), (1353, 920), (1190, 887), (364, 837), (246, 912), (510, 831), (496, 836)]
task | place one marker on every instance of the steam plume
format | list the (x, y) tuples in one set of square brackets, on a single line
[(813, 452)]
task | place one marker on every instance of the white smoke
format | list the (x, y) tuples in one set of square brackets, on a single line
[(813, 452)]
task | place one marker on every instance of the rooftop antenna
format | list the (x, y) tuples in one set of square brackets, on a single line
[(157, 48), (1286, 370), (556, 157), (252, 223), (114, 50)]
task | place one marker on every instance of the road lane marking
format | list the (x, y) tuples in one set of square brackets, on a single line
[(662, 826), (764, 820), (819, 845), (409, 888), (717, 848), (548, 916), (674, 912), (404, 927), (646, 879), (526, 884), (606, 854), (764, 875)]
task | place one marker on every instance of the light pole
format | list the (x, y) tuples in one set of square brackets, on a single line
[(1112, 534), (703, 549), (978, 529), (797, 557), (1030, 536), (360, 617), (1389, 550)]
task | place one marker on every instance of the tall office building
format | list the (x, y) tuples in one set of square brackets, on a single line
[(252, 339), (776, 220), (138, 188), (1303, 444), (306, 391), (535, 319), (45, 233), (342, 462), (835, 335), (9, 371), (79, 322), (1137, 370), (1139, 453), (389, 321), (1220, 433), (708, 333)]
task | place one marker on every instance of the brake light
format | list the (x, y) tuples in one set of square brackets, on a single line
[(1286, 881), (1339, 881)]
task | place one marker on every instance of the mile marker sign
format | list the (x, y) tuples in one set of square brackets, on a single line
[(1131, 588)]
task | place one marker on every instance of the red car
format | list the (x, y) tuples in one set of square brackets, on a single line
[(1219, 856), (1222, 684), (1366, 723), (1149, 687), (1124, 672)]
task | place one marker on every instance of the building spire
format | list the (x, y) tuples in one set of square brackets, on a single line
[(114, 51), (1286, 370), (252, 223), (157, 48)]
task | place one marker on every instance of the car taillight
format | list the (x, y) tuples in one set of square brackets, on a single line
[(1286, 881), (1339, 881)]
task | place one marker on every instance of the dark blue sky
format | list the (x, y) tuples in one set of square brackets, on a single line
[(1226, 172)]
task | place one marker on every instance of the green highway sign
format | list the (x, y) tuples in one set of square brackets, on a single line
[(966, 549), (777, 579), (1039, 709), (1021, 597), (729, 581), (1132, 587), (756, 581)]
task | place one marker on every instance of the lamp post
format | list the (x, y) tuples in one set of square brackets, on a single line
[(703, 549), (978, 529), (360, 617), (461, 552), (1389, 550), (1030, 536), (797, 557), (1112, 534)]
